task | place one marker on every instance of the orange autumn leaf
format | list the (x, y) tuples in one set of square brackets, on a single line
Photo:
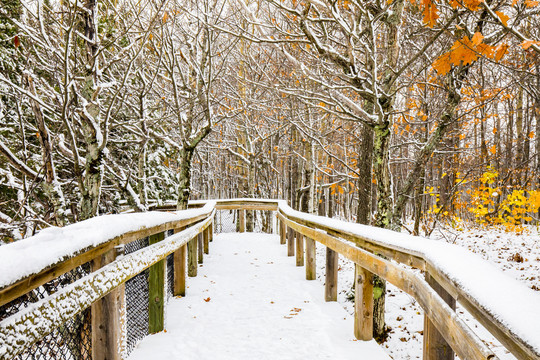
[(528, 43), (500, 51), (531, 3), (207, 299), (477, 38), (504, 18), (430, 13), (493, 149), (16, 41)]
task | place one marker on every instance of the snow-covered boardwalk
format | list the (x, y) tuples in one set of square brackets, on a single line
[(250, 301)]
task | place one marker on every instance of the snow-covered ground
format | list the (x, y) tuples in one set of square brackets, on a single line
[(250, 301), (406, 318), (258, 296)]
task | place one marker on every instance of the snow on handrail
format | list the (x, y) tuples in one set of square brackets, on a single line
[(24, 258), (475, 282)]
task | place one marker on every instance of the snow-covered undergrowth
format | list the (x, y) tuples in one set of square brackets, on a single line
[(517, 255)]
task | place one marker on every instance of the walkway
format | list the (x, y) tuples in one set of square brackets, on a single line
[(249, 301)]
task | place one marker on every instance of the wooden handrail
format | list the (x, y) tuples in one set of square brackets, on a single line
[(490, 319), (55, 310), (360, 244)]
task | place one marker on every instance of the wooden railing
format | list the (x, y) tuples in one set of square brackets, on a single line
[(387, 254)]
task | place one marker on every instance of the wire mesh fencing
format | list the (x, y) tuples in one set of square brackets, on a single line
[(72, 340), (258, 221), (137, 294)]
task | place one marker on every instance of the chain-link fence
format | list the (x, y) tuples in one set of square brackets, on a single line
[(72, 340), (137, 294), (226, 221)]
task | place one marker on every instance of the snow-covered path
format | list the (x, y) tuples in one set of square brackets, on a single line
[(250, 301)]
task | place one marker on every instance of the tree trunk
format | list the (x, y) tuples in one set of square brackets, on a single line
[(184, 178), (365, 159)]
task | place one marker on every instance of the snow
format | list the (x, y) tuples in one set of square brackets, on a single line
[(512, 303), (23, 258), (29, 325), (251, 301)]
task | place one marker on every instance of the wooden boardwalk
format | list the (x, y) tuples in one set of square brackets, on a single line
[(250, 301)]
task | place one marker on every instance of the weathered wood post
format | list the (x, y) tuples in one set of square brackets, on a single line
[(310, 259), (363, 304), (109, 316), (179, 268), (192, 256), (200, 246), (206, 239), (156, 291), (282, 232), (435, 347), (299, 249), (242, 220), (330, 285), (211, 231), (290, 242)]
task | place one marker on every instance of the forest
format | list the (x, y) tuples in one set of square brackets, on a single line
[(408, 115), (400, 114)]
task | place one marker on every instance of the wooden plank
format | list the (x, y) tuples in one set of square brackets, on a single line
[(156, 291), (435, 346), (192, 257), (23, 329), (282, 233), (400, 255), (363, 304), (290, 242), (179, 268), (242, 220), (462, 339), (299, 249), (200, 246), (108, 316), (311, 265), (206, 240), (330, 284), (512, 342), (23, 286)]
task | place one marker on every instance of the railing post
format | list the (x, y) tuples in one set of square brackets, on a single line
[(282, 232), (310, 259), (192, 256), (109, 316), (200, 246), (299, 249), (290, 242), (330, 285), (211, 231), (435, 347), (363, 304), (156, 291), (206, 239), (179, 268), (242, 220)]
